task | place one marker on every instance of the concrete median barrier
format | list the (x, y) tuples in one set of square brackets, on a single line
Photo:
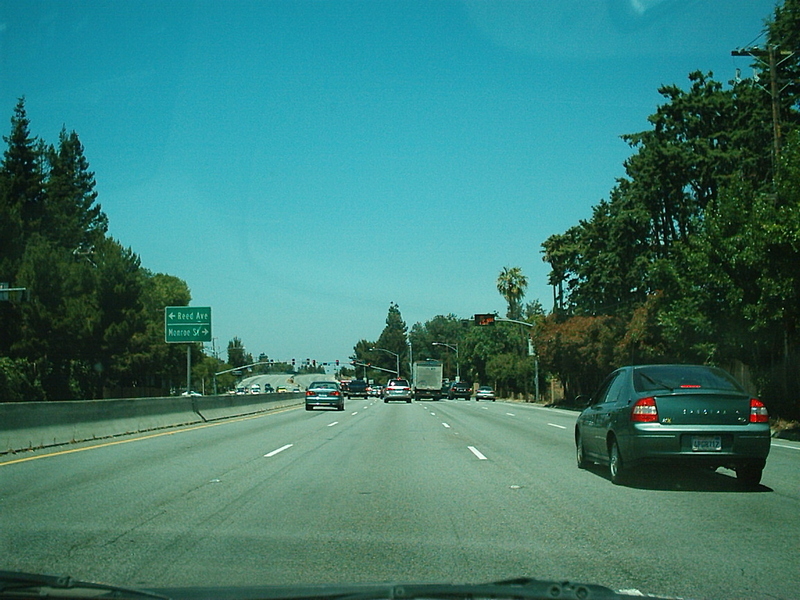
[(29, 425), (212, 408)]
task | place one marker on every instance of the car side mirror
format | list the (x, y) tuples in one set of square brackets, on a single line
[(583, 400)]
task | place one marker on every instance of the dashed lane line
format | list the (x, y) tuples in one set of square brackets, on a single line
[(279, 450)]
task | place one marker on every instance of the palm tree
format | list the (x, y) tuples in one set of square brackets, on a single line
[(511, 284)]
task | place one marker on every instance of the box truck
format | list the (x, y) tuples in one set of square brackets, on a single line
[(427, 379)]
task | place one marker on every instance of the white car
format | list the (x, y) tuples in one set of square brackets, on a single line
[(485, 392), (397, 389)]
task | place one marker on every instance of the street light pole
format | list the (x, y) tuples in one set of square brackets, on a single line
[(396, 357), (455, 348)]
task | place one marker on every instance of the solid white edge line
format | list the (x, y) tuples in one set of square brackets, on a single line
[(554, 425), (281, 449), (783, 446), (476, 452)]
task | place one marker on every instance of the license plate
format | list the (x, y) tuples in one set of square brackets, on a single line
[(706, 443)]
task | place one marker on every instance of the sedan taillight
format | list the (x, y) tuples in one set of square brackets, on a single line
[(645, 411), (758, 412)]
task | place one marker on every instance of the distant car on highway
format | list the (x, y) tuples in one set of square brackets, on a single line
[(397, 389), (357, 388), (485, 392), (375, 390), (326, 394), (688, 415), (255, 389), (282, 389), (459, 389)]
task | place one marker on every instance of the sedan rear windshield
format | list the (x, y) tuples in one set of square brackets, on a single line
[(680, 377), (324, 385)]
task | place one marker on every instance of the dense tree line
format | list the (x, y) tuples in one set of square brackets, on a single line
[(91, 320), (694, 256), (495, 355)]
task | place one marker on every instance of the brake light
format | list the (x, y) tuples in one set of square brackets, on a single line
[(309, 393), (645, 411), (758, 412), (335, 393)]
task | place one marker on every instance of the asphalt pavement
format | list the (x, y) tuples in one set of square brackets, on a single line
[(449, 491)]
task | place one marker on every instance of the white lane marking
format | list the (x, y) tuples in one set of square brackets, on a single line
[(511, 414), (446, 425), (784, 446), (476, 452), (281, 449), (554, 425), (433, 414), (353, 414), (332, 424), (485, 407)]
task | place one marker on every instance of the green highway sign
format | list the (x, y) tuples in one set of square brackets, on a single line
[(187, 324)]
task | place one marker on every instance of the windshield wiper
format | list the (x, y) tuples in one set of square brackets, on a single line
[(28, 585), (659, 384), (23, 585), (522, 588)]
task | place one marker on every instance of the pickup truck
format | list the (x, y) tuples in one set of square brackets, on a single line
[(357, 388)]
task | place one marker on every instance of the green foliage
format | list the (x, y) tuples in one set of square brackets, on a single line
[(511, 284), (392, 341), (19, 381), (695, 255), (94, 321), (442, 329), (237, 355)]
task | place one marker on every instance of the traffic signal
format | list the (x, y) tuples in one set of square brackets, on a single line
[(484, 319), (337, 362)]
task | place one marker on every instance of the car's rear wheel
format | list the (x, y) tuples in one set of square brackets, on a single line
[(615, 465), (749, 474)]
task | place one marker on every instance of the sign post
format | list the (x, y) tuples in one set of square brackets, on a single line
[(187, 324)]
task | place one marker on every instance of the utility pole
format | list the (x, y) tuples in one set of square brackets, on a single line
[(769, 57)]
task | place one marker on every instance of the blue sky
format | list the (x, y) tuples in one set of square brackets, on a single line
[(302, 164)]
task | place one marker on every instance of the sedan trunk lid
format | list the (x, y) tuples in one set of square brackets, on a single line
[(698, 408)]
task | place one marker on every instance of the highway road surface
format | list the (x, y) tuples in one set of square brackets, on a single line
[(450, 491)]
